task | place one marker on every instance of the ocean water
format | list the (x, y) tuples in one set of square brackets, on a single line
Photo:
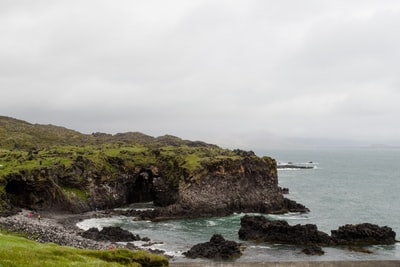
[(345, 186)]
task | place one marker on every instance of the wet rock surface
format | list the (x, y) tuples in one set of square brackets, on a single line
[(216, 248), (313, 251), (259, 228), (110, 233), (364, 233)]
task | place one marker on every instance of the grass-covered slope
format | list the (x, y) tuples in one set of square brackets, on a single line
[(19, 134), (19, 251), (42, 166), (26, 146)]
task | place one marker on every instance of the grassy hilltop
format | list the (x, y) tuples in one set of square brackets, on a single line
[(24, 146), (22, 135), (75, 159)]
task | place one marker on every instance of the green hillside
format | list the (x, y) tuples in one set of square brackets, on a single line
[(19, 134)]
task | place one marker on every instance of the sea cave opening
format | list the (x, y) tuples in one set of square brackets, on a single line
[(16, 191), (15, 187), (142, 189)]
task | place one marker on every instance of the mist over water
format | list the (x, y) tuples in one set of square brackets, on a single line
[(346, 186)]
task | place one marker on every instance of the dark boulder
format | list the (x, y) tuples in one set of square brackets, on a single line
[(364, 233), (313, 251), (113, 234), (284, 190), (293, 206), (259, 228), (216, 248)]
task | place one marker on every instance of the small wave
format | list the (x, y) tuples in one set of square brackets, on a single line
[(212, 223), (158, 246), (289, 216), (294, 169), (260, 246), (174, 254), (99, 223)]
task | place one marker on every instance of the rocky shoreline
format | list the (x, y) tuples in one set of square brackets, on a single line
[(60, 229)]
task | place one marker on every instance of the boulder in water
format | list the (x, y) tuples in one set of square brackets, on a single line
[(365, 233), (313, 251), (216, 248), (113, 234), (259, 228)]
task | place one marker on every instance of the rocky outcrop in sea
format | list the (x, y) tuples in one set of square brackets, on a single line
[(363, 234), (111, 233), (261, 229), (216, 248)]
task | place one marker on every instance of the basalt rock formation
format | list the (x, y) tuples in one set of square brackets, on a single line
[(245, 184), (216, 248), (110, 233), (248, 184), (363, 234), (313, 251), (75, 172), (261, 229)]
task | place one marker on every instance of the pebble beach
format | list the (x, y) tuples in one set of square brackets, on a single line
[(56, 228)]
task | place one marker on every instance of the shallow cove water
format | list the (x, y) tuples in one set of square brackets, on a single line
[(345, 186)]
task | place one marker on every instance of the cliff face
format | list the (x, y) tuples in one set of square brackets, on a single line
[(45, 167), (248, 184), (245, 184)]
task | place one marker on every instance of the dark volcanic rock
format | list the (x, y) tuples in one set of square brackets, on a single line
[(113, 234), (313, 251), (222, 187), (216, 248), (293, 206), (259, 228), (364, 233)]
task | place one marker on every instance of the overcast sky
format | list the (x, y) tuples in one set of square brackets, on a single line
[(236, 73)]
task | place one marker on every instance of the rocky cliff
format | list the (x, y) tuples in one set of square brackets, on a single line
[(182, 178), (247, 184)]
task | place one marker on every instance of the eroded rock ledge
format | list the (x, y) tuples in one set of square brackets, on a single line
[(237, 181)]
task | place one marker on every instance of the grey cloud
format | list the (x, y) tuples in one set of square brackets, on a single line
[(204, 69)]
